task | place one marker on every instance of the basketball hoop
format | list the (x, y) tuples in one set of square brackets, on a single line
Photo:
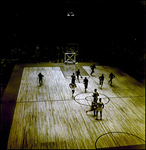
[(69, 57)]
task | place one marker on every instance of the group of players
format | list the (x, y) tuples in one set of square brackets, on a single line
[(95, 106), (72, 85)]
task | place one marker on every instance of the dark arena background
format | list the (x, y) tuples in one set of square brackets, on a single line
[(57, 38)]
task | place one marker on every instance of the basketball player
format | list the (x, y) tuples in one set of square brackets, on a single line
[(85, 81), (93, 107), (95, 95), (92, 68), (40, 78), (78, 74), (100, 106), (73, 78), (111, 76), (101, 79), (72, 86), (94, 102)]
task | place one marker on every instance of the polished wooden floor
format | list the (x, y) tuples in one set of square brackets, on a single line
[(48, 117)]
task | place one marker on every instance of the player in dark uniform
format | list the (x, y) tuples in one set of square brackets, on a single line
[(94, 102), (101, 79), (40, 78), (93, 107), (95, 95), (73, 78), (85, 81), (92, 69), (78, 74), (111, 76)]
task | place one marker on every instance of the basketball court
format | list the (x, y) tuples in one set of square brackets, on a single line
[(48, 117)]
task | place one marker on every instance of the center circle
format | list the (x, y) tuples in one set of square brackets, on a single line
[(86, 98)]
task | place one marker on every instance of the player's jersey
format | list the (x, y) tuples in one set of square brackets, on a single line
[(73, 77), (40, 76), (72, 86), (101, 78), (85, 81), (99, 106), (111, 75), (95, 95)]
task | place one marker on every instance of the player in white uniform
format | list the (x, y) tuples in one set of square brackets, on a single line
[(100, 106), (72, 86)]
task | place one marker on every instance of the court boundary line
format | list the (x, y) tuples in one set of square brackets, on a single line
[(116, 132)]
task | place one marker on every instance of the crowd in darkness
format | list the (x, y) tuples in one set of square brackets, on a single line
[(109, 53), (101, 35)]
